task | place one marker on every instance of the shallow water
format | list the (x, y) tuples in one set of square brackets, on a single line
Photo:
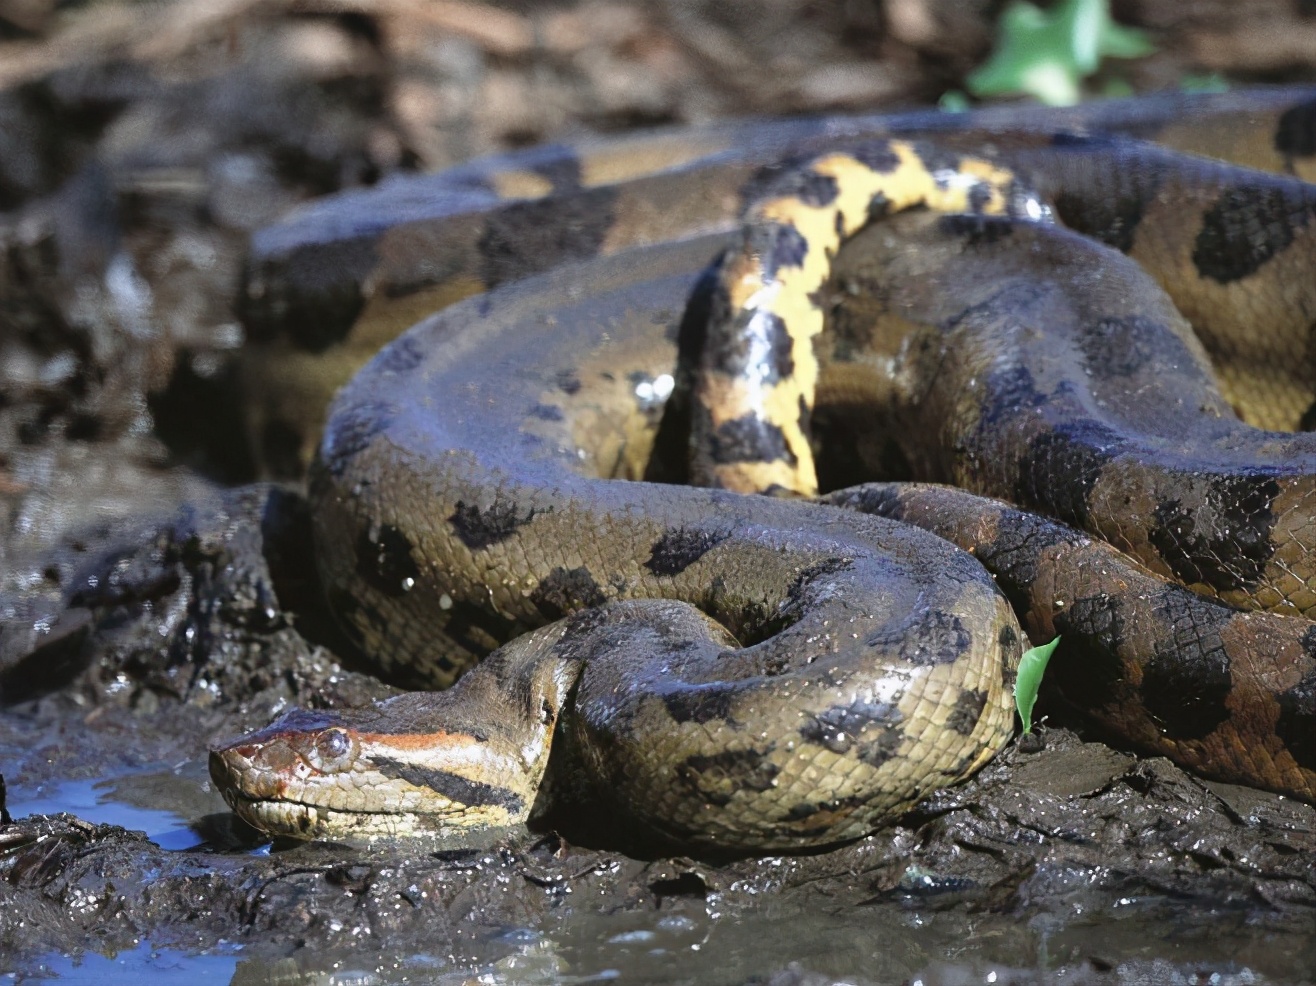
[(126, 801)]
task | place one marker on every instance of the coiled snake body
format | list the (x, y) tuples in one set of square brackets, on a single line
[(746, 672)]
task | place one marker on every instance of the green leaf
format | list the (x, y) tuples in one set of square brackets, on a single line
[(953, 101), (1029, 680), (1046, 53)]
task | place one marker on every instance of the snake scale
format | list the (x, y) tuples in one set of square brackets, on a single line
[(911, 297)]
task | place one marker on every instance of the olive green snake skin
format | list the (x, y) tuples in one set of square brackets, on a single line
[(736, 672)]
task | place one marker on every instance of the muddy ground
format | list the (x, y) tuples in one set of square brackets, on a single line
[(152, 600)]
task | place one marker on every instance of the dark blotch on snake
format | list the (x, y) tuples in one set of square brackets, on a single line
[(1121, 347), (1186, 682), (718, 776), (839, 728), (877, 156), (1059, 468), (1088, 669), (777, 245), (729, 351), (808, 187), (1245, 228), (700, 703), (976, 231), (479, 527), (451, 786), (568, 382), (547, 412), (941, 638), (564, 591), (1295, 135), (384, 562), (402, 355), (525, 238), (351, 430), (750, 439), (1113, 220), (1232, 552), (680, 548), (966, 712), (1297, 718)]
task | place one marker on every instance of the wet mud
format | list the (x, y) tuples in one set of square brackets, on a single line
[(154, 600)]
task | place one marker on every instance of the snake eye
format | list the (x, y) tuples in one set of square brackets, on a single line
[(332, 744)]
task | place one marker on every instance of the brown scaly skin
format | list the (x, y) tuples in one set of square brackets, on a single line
[(1230, 692), (878, 659), (338, 279), (455, 508)]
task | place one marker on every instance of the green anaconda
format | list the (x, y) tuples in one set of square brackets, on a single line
[(746, 672)]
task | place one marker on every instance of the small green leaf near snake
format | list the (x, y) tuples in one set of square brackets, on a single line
[(742, 672)]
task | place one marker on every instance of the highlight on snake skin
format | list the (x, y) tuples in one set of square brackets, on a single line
[(1087, 358)]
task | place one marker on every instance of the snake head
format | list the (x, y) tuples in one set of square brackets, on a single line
[(362, 774)]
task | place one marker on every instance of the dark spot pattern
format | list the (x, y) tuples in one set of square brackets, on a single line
[(980, 196), (966, 712), (940, 639), (1297, 720), (1245, 228), (842, 727), (1008, 642), (728, 351), (564, 591), (700, 703), (1059, 468), (1225, 542), (452, 786), (479, 527), (879, 207), (402, 355), (316, 308), (562, 168), (1010, 390), (1088, 669), (521, 239), (777, 245), (680, 548), (351, 430), (1013, 555), (940, 161), (1295, 134), (976, 231), (547, 412), (1120, 347), (806, 817), (1186, 681), (798, 590), (807, 186), (877, 156), (718, 776), (568, 382), (881, 748), (384, 562), (1113, 219), (749, 439)]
